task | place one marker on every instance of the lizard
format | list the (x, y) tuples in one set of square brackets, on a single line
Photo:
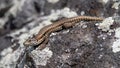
[(41, 38)]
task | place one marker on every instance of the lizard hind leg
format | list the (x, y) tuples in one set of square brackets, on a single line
[(68, 25)]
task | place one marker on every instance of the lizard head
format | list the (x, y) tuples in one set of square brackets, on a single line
[(30, 42)]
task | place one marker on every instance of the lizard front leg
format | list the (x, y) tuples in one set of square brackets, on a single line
[(44, 43)]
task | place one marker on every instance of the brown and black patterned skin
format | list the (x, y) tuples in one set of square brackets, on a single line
[(41, 38)]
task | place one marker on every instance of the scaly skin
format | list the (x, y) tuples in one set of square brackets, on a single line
[(44, 33)]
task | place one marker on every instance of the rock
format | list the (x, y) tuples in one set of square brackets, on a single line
[(86, 45)]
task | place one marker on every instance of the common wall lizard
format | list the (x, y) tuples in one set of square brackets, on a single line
[(41, 38)]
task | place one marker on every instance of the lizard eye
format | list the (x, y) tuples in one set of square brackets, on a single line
[(33, 40)]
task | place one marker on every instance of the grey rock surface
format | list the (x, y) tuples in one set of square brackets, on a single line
[(88, 44)]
